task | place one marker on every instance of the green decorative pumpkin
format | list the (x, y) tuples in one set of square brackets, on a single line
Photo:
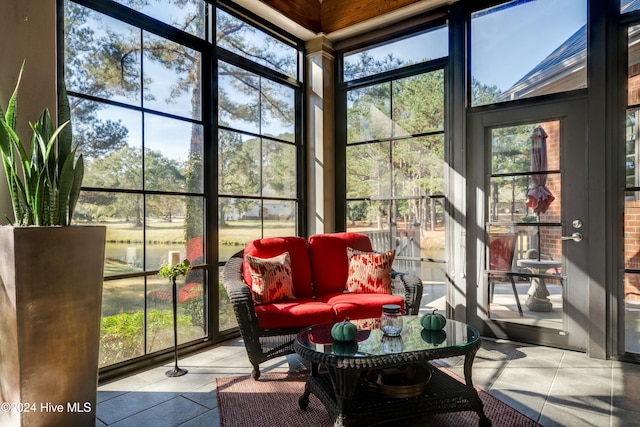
[(433, 321), (344, 348), (433, 337), (344, 331)]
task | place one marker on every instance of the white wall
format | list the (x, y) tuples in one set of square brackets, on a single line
[(320, 190), (27, 32)]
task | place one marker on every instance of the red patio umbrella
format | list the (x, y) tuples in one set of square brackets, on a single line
[(539, 197)]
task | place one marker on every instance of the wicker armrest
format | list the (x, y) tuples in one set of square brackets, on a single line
[(261, 345), (410, 286), (241, 300)]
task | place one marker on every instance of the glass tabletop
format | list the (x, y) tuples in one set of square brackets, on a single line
[(371, 341)]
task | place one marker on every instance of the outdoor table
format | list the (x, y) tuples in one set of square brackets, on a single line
[(538, 299), (344, 386)]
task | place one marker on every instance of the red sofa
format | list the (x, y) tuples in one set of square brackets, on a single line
[(319, 271)]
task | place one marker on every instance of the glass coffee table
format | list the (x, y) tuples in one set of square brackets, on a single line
[(379, 379)]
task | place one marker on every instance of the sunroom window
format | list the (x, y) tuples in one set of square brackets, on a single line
[(395, 152), (144, 115)]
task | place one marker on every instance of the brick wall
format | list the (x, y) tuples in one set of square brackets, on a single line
[(632, 210), (550, 243), (632, 249), (633, 89)]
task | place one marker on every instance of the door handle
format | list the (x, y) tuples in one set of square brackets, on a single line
[(576, 237)]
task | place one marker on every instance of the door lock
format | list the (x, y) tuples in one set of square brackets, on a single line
[(576, 237)]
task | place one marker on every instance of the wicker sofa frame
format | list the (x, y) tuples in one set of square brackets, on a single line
[(266, 344)]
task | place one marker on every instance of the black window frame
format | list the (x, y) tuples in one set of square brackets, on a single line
[(209, 120)]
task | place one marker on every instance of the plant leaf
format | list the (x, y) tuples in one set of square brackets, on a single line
[(64, 190), (12, 107), (49, 188), (65, 140), (78, 176)]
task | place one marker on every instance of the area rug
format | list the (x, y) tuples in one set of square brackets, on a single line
[(272, 401)]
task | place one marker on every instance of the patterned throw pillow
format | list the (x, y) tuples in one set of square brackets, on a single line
[(271, 278), (369, 272)]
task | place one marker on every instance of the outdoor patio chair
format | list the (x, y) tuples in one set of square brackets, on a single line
[(501, 253)]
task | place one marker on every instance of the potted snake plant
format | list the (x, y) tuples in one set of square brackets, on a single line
[(50, 277)]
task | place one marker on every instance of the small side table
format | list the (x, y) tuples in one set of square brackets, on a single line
[(538, 293)]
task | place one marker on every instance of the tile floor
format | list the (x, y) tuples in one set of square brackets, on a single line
[(554, 387)]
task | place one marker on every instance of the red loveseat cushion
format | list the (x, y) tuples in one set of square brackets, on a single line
[(329, 262), (299, 253), (293, 314), (360, 306)]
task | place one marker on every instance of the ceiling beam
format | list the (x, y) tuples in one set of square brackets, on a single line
[(327, 16), (339, 14), (303, 12)]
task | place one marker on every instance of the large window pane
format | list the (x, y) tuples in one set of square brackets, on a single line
[(279, 218), (419, 166), (239, 222), (102, 55), (169, 152), (167, 223), (411, 114), (249, 42), (171, 77), (238, 98), (629, 5), (190, 304), (434, 275), (369, 113), (511, 149), (418, 48), (101, 129), (540, 47), (186, 15), (238, 164), (279, 170), (368, 170), (394, 166), (277, 110), (122, 214), (122, 325)]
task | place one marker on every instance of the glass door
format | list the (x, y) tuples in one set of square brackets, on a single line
[(532, 223)]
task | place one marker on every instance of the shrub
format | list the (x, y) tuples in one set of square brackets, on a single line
[(122, 335)]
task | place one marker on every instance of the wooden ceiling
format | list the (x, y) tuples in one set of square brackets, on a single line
[(327, 16)]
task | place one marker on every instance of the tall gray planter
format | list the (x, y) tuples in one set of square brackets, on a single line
[(50, 308)]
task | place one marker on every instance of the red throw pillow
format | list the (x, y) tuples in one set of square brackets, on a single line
[(270, 278), (300, 268), (329, 263), (369, 272)]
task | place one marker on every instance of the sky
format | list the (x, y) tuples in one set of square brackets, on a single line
[(508, 43)]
